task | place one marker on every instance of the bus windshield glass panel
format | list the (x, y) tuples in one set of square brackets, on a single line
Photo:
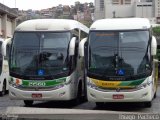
[(39, 53), (119, 53)]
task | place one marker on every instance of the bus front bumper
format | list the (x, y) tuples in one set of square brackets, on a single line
[(63, 93), (142, 95)]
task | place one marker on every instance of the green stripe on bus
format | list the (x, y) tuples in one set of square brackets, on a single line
[(132, 83), (47, 82)]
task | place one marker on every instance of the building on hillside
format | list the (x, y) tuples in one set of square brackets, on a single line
[(66, 11), (46, 13), (85, 14)]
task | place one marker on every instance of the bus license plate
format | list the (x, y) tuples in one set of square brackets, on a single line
[(37, 95), (118, 96)]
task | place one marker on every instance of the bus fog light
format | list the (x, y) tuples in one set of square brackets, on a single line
[(92, 95), (145, 94), (13, 94), (62, 94)]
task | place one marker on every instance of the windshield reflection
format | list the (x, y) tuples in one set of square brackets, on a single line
[(119, 53), (36, 51)]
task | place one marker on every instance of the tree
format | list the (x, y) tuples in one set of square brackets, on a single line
[(156, 31), (77, 5), (91, 5)]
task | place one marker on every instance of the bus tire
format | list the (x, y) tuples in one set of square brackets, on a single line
[(28, 102), (79, 93), (78, 98), (85, 88), (99, 104), (148, 104), (3, 92), (155, 95)]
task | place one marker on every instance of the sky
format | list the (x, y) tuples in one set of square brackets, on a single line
[(38, 4)]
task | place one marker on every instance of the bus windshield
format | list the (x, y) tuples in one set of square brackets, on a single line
[(119, 53), (39, 53)]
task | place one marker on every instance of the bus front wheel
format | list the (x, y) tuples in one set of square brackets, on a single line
[(28, 102), (148, 104), (3, 92), (99, 104), (155, 95)]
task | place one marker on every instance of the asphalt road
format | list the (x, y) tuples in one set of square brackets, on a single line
[(6, 103)]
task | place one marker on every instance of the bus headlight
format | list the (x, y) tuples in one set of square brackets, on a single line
[(144, 85), (68, 80), (59, 86), (15, 82), (91, 84)]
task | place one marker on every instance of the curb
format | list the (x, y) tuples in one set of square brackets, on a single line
[(18, 113), (57, 111)]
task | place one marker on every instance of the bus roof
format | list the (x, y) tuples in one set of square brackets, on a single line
[(121, 24), (51, 25)]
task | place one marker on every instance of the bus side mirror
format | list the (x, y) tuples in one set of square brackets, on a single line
[(81, 47), (4, 46), (72, 46), (153, 46)]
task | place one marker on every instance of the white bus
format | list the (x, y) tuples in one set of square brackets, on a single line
[(44, 61), (120, 61), (4, 70)]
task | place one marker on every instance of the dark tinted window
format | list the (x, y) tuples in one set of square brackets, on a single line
[(36, 51), (26, 39), (113, 51)]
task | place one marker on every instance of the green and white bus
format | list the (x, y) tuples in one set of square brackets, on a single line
[(4, 69), (44, 61), (120, 61)]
